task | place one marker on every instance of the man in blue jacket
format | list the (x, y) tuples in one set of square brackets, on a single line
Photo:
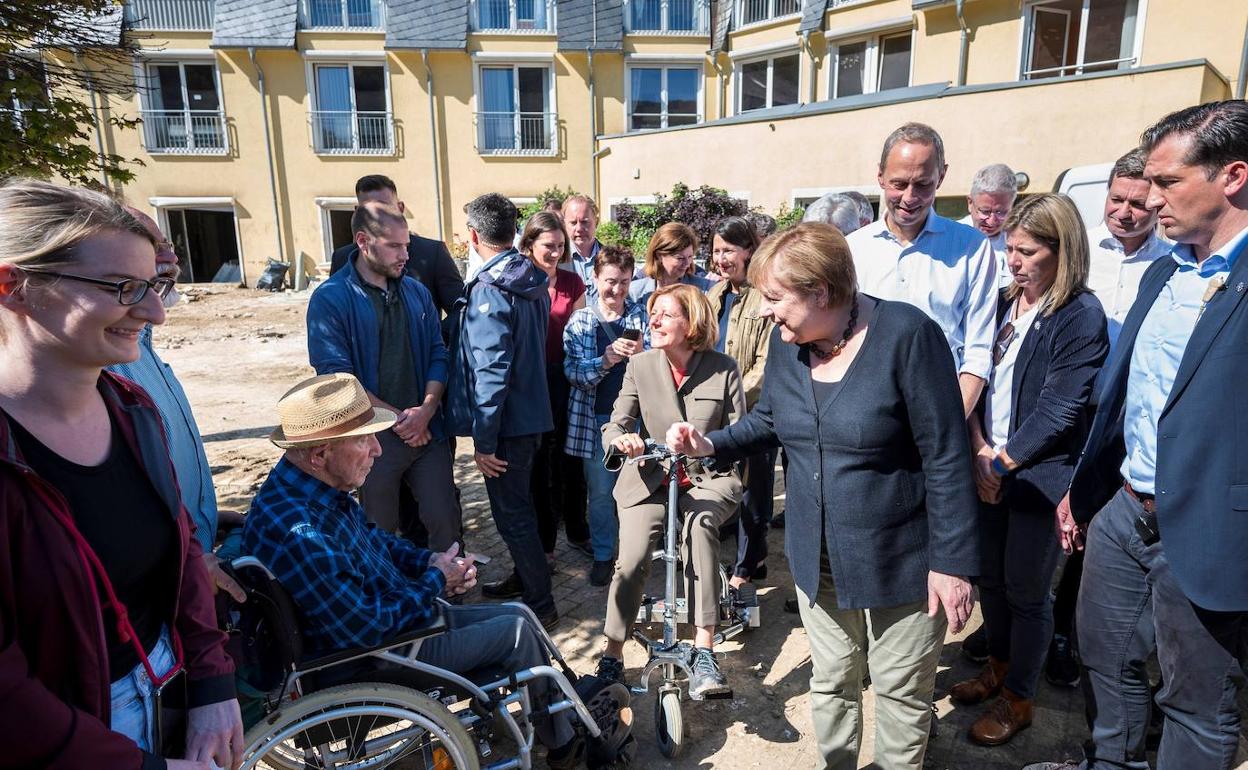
[(372, 320), (1165, 468), (498, 392)]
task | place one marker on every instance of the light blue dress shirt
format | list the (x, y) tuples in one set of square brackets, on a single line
[(1158, 350), (584, 267), (190, 462)]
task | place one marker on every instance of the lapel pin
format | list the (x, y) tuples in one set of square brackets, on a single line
[(1239, 287)]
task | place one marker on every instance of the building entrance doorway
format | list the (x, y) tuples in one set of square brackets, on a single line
[(204, 239), (339, 228)]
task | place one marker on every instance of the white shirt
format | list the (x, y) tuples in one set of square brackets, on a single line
[(949, 272), (1114, 276), (999, 409), (997, 242)]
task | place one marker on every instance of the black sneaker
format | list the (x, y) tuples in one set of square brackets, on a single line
[(600, 574), (568, 756), (1061, 668), (705, 678), (610, 670), (508, 588), (548, 619), (975, 646)]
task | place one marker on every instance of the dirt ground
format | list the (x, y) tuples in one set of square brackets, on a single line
[(237, 351)]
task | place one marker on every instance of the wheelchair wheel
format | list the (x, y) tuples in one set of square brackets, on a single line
[(669, 727), (360, 727)]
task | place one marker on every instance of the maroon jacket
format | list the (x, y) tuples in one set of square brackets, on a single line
[(54, 677)]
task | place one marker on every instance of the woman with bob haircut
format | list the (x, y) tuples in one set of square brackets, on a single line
[(1027, 433), (680, 378), (104, 595), (743, 334), (863, 396), (558, 483), (669, 261)]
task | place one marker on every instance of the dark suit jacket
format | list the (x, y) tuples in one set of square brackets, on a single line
[(880, 476), (1202, 444), (428, 261), (1052, 385)]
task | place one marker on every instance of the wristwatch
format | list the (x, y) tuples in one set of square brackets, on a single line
[(998, 467)]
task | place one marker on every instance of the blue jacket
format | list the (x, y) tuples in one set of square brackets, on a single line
[(1202, 444), (498, 381), (343, 333)]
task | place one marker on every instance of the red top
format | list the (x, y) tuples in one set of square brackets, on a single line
[(569, 288)]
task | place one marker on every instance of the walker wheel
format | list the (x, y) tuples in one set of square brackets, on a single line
[(669, 727)]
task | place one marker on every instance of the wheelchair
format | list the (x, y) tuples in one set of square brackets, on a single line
[(738, 610), (446, 722)]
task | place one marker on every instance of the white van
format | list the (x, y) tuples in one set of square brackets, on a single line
[(1087, 186)]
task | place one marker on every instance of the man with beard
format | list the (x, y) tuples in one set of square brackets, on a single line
[(186, 448), (374, 321)]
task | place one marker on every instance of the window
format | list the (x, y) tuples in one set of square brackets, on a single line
[(23, 87), (667, 15), (768, 83), (875, 64), (183, 112), (351, 115), (1070, 37), (516, 116), (661, 97), (754, 11), (513, 15), (342, 14)]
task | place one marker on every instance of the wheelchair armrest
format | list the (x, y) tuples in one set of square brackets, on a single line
[(333, 658)]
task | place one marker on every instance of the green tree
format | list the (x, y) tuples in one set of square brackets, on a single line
[(55, 57)]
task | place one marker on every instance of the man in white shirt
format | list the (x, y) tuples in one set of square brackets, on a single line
[(942, 267), (1126, 243), (993, 191)]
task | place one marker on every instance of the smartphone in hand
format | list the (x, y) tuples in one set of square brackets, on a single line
[(631, 334)]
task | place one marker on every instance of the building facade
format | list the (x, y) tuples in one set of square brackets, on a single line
[(259, 115)]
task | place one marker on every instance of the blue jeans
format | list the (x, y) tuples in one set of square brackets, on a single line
[(511, 503), (604, 522), (134, 699), (1130, 604)]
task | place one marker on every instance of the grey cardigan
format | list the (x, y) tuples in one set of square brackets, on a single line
[(880, 476)]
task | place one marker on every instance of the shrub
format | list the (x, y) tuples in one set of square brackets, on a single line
[(700, 208), (789, 217), (610, 234), (552, 193)]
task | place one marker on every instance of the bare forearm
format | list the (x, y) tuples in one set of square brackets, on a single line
[(971, 388)]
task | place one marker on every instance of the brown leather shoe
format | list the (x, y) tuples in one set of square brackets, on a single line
[(1007, 715), (982, 687)]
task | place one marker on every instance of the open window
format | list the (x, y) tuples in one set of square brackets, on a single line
[(1071, 37)]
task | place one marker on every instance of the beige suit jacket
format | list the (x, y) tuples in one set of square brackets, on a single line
[(710, 398)]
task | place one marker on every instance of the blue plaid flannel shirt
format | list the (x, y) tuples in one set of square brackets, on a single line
[(355, 585), (585, 367)]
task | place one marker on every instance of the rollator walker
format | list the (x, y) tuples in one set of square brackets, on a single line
[(738, 610)]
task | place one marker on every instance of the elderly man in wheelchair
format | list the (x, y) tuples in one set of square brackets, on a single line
[(353, 658)]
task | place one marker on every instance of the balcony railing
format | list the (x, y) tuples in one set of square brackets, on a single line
[(512, 15), (517, 133), (169, 14), (755, 11), (672, 16), (342, 14), (184, 132), (344, 132), (1079, 69)]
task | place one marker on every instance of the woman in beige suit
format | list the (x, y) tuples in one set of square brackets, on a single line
[(680, 378)]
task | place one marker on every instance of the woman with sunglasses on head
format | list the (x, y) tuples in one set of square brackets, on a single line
[(103, 592), (1026, 435)]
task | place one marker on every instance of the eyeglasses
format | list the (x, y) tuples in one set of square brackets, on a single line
[(996, 213), (130, 291), (1004, 339)]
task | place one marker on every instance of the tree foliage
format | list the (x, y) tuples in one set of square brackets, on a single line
[(544, 197), (54, 54)]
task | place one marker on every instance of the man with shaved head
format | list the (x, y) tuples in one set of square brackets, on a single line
[(373, 320)]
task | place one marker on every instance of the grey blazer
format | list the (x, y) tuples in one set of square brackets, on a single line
[(710, 398)]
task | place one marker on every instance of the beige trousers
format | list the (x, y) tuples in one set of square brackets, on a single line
[(900, 647), (642, 527)]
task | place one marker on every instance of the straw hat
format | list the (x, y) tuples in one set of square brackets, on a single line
[(325, 408)]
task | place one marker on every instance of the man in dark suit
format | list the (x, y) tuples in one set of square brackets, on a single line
[(428, 261), (1164, 475)]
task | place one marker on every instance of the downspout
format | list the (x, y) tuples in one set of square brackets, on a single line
[(719, 70), (812, 72), (593, 107), (95, 117), (963, 43), (433, 134), (1241, 87), (268, 150)]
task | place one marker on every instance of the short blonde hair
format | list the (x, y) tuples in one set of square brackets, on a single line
[(811, 259), (703, 328), (1054, 221), (671, 238)]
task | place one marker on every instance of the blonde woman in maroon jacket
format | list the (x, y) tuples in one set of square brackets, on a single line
[(102, 587)]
